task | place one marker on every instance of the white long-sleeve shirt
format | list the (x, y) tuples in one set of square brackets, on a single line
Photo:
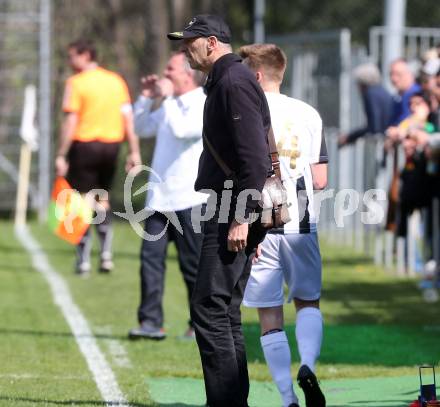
[(177, 126)]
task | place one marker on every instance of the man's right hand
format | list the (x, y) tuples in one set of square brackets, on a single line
[(61, 166), (164, 88), (149, 85), (155, 87), (237, 236)]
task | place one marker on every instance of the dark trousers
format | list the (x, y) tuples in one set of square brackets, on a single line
[(153, 256), (215, 311)]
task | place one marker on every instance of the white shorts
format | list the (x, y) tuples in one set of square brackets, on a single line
[(293, 258)]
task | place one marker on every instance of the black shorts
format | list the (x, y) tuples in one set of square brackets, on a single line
[(92, 165)]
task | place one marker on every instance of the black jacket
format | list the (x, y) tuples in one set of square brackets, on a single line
[(236, 121)]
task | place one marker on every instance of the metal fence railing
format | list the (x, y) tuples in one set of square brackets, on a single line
[(353, 208), (24, 60)]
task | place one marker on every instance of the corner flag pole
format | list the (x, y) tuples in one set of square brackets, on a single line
[(29, 135)]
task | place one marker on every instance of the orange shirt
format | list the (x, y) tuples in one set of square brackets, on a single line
[(97, 96)]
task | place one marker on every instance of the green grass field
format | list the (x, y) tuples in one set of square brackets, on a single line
[(378, 330)]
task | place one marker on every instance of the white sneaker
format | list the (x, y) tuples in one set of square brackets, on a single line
[(106, 262), (83, 269), (430, 295)]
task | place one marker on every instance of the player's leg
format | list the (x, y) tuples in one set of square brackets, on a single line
[(265, 292), (83, 250), (300, 254), (108, 158), (83, 177), (308, 331), (276, 351), (105, 235)]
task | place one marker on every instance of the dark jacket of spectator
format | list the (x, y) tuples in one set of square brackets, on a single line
[(239, 120), (378, 105), (401, 104)]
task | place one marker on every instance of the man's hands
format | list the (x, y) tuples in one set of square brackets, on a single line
[(133, 159), (237, 236), (258, 254), (61, 166), (154, 87)]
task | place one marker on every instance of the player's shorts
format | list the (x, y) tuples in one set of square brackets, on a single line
[(291, 258), (92, 165)]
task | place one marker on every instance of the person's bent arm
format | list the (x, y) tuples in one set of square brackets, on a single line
[(67, 132), (146, 121), (134, 157), (184, 122)]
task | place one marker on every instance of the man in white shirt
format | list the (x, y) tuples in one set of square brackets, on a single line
[(171, 109), (290, 253)]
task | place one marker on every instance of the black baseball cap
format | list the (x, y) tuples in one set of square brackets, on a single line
[(204, 25)]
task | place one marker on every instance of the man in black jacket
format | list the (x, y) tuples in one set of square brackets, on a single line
[(235, 125)]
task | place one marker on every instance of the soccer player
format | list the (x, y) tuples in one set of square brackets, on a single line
[(290, 253), (98, 116)]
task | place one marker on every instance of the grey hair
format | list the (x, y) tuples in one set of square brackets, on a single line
[(225, 46), (198, 76), (367, 74)]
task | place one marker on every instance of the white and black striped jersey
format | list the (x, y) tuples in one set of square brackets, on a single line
[(298, 133)]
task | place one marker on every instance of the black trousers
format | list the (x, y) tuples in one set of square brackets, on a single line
[(215, 311), (153, 256)]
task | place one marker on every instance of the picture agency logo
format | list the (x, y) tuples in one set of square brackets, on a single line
[(136, 219), (343, 204)]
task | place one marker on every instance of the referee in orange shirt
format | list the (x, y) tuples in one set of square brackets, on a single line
[(98, 117)]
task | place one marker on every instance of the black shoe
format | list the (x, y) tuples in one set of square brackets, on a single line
[(294, 405), (309, 384), (147, 331)]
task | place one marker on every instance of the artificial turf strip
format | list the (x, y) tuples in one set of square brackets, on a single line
[(372, 392)]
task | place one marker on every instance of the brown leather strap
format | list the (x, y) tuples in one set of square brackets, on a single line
[(228, 172), (272, 150), (274, 153)]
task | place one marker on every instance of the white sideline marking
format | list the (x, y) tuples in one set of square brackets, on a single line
[(116, 349), (119, 354), (98, 366)]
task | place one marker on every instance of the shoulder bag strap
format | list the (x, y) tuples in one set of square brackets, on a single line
[(272, 150), (228, 172), (274, 153)]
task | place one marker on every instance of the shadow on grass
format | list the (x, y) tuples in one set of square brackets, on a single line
[(376, 345), (29, 332), (36, 401), (387, 403), (16, 268), (179, 405), (356, 260), (392, 302)]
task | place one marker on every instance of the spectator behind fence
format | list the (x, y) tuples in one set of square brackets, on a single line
[(403, 80), (377, 101), (171, 109), (415, 189), (97, 116)]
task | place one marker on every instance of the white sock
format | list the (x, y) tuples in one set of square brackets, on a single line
[(309, 335), (277, 354)]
